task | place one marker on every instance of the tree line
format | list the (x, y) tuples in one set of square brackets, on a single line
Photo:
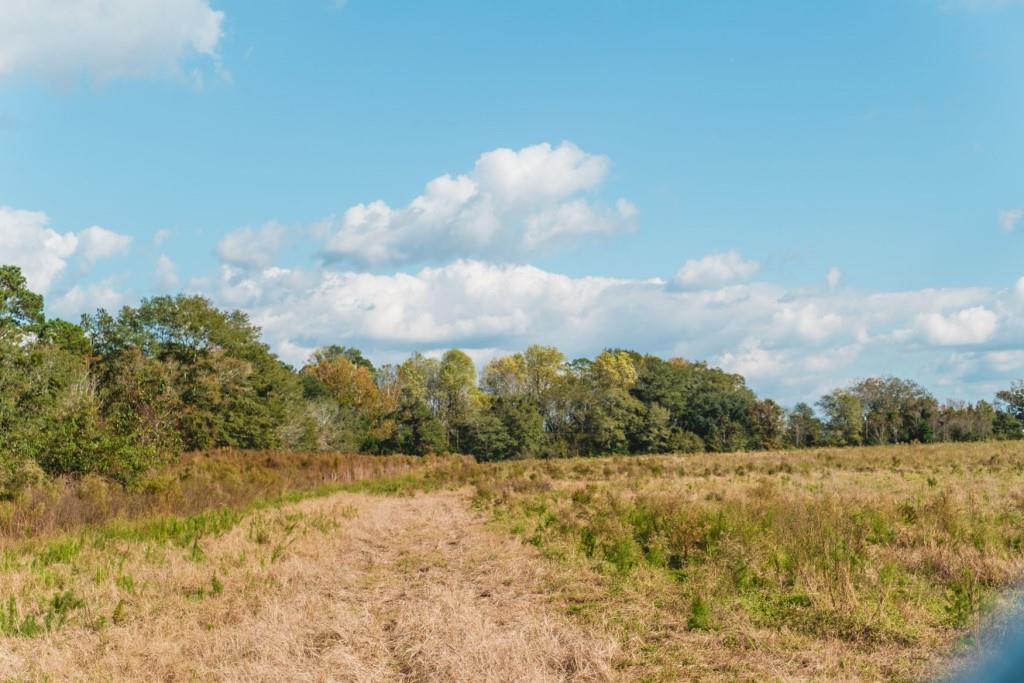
[(121, 393)]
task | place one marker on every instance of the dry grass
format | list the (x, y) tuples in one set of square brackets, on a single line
[(852, 564), (855, 564), (198, 482), (347, 588)]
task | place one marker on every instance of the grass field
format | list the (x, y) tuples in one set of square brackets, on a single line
[(842, 564)]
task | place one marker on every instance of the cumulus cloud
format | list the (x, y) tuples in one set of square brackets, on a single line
[(513, 203), (573, 219), (88, 297), (165, 274), (467, 300), (98, 243), (791, 343), (807, 321), (1006, 361), (27, 241), (1009, 218), (753, 361), (252, 247), (43, 254), (714, 270), (967, 326), (105, 39)]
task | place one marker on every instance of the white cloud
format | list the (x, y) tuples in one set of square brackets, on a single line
[(807, 321), (252, 247), (87, 297), (1020, 288), (27, 242), (967, 326), (161, 236), (1006, 361), (715, 270), (540, 173), (43, 254), (752, 361), (1009, 218), (64, 39), (511, 204), (98, 243), (575, 218), (833, 278), (464, 300), (791, 343), (165, 274)]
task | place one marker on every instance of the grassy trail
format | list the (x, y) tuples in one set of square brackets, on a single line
[(833, 564), (345, 588)]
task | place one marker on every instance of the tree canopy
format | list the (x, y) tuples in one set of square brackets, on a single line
[(122, 392)]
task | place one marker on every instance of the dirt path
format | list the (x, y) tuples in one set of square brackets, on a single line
[(347, 588)]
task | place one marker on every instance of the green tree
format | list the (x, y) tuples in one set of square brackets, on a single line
[(233, 391), (458, 398), (334, 351), (1011, 401), (895, 410), (767, 425), (844, 421), (714, 405), (21, 310), (509, 427), (345, 406), (803, 427)]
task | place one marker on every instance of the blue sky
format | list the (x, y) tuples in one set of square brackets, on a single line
[(708, 164)]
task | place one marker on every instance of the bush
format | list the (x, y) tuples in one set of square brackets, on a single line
[(80, 445), (18, 474)]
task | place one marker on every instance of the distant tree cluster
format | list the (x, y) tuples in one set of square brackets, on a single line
[(121, 393)]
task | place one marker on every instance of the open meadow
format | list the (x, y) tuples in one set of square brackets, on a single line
[(834, 564), (511, 342)]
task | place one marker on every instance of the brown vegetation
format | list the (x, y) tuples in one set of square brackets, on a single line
[(837, 564), (347, 588), (877, 563), (198, 482)]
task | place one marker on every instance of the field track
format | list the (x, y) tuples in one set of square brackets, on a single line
[(363, 588)]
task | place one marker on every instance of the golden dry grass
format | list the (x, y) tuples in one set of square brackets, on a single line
[(838, 564), (347, 588), (198, 482), (833, 564)]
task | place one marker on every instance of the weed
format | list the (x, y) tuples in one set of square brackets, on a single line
[(60, 607), (118, 615), (64, 551), (700, 615), (126, 583)]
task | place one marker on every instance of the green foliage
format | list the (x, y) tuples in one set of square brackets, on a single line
[(51, 617), (700, 615), (418, 430), (714, 405), (1005, 426), (231, 391), (334, 352), (804, 428), (1012, 400), (759, 543), (843, 418), (21, 310), (123, 393)]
